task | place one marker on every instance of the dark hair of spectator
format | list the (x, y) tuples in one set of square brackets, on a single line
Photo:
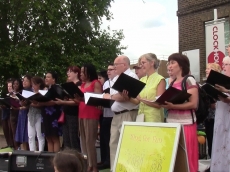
[(103, 74), (183, 62), (38, 80), (69, 160), (90, 72)]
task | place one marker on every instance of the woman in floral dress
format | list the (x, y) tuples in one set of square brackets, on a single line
[(50, 115)]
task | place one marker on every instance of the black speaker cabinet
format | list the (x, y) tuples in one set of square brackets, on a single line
[(28, 161)]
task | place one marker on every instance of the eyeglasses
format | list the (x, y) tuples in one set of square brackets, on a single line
[(225, 64), (69, 71), (116, 64), (110, 70), (142, 63)]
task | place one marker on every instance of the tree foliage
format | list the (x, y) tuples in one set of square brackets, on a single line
[(39, 36)]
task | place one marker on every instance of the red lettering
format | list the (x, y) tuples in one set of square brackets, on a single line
[(215, 44), (215, 29)]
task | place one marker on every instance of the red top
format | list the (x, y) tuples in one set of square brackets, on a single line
[(85, 111)]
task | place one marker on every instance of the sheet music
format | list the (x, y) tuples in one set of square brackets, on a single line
[(27, 94), (88, 95), (43, 92)]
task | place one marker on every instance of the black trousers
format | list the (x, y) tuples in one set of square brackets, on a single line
[(209, 127), (105, 138)]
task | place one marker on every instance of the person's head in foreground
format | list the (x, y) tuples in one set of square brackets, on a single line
[(69, 160)]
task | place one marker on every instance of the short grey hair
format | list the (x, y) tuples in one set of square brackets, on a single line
[(151, 57), (226, 60)]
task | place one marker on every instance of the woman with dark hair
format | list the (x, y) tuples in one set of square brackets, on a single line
[(184, 113), (17, 88), (69, 160), (34, 118), (70, 108), (89, 116), (102, 77), (22, 130), (50, 115)]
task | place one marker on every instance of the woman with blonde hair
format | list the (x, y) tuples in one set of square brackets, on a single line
[(209, 122), (155, 86)]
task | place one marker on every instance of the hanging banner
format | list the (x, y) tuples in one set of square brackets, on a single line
[(215, 42)]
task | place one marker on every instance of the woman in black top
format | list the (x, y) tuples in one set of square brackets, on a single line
[(70, 109)]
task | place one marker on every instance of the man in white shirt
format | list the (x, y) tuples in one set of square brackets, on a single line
[(106, 123), (123, 109)]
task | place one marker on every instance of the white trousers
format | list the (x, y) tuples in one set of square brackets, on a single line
[(33, 129)]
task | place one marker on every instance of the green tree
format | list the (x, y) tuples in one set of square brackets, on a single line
[(39, 36)]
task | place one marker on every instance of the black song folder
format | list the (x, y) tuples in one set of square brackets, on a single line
[(107, 90), (93, 99), (218, 78), (174, 96), (213, 92), (9, 101), (56, 91), (126, 82), (31, 96), (72, 89), (40, 98), (5, 103)]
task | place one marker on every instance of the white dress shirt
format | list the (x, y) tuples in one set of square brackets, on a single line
[(107, 111), (120, 106)]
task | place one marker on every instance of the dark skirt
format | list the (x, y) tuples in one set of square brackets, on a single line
[(50, 116), (22, 130), (70, 128)]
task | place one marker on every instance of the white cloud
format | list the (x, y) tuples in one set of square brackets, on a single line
[(148, 27)]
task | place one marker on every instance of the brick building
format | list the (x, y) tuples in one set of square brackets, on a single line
[(192, 15)]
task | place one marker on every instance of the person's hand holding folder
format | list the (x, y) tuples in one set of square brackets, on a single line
[(106, 96), (224, 99), (77, 98), (125, 95), (221, 88), (58, 101), (167, 105)]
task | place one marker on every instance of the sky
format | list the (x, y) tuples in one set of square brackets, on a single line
[(148, 26)]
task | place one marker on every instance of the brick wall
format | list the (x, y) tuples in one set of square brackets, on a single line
[(192, 15)]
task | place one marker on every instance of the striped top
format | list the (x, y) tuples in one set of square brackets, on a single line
[(182, 116)]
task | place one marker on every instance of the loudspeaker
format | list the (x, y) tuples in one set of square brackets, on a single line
[(28, 161), (3, 162)]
